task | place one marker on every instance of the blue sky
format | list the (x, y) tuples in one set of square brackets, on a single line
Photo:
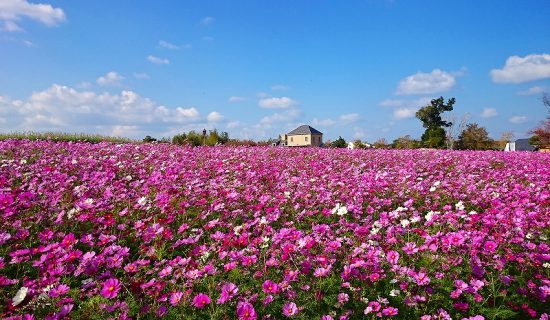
[(356, 69)]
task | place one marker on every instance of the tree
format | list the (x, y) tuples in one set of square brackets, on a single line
[(339, 143), (454, 129), (405, 142), (474, 137), (148, 139), (381, 144), (430, 115), (357, 144), (506, 137), (546, 101), (541, 135)]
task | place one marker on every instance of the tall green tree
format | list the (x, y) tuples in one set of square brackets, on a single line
[(430, 115), (339, 143), (474, 137)]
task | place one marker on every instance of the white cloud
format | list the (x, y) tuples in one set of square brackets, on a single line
[(396, 103), (286, 116), (350, 117), (279, 87), (157, 60), (532, 91), (168, 45), (214, 117), (234, 99), (206, 21), (342, 120), (523, 69), (14, 10), (324, 122), (62, 108), (233, 124), (141, 76), (404, 113), (426, 83), (277, 103), (518, 119), (489, 113), (110, 79)]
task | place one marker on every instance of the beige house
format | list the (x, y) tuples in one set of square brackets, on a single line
[(303, 136)]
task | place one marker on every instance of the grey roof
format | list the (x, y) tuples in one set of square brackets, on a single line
[(305, 129), (524, 145)]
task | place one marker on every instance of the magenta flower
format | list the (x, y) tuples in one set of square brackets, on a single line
[(290, 309), (421, 279), (490, 246), (270, 287), (58, 291), (201, 300), (392, 257), (390, 311), (245, 311), (110, 289), (175, 297)]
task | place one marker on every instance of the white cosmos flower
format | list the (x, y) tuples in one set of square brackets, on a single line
[(142, 201), (20, 296), (339, 210)]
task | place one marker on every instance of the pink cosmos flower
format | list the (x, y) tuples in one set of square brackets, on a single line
[(390, 311), (229, 290), (392, 257), (410, 248), (175, 297), (343, 298), (290, 309), (490, 246), (374, 277), (201, 300), (110, 289), (422, 279), (270, 287), (245, 311), (58, 291)]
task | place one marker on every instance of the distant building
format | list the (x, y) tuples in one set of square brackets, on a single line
[(303, 136), (520, 145)]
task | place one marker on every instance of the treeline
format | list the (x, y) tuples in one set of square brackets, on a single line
[(205, 138)]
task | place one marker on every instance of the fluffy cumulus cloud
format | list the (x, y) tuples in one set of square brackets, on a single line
[(214, 117), (489, 113), (157, 60), (62, 108), (276, 103), (518, 119), (426, 83), (12, 11), (110, 79), (523, 69)]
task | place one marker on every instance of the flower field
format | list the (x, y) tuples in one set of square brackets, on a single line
[(96, 231)]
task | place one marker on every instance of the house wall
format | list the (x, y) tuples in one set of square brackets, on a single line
[(304, 140)]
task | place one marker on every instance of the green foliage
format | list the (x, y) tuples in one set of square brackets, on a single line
[(193, 138), (149, 139), (63, 137), (430, 115), (406, 142), (474, 137), (339, 143), (434, 138)]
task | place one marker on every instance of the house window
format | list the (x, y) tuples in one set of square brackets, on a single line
[(291, 139), (306, 139)]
